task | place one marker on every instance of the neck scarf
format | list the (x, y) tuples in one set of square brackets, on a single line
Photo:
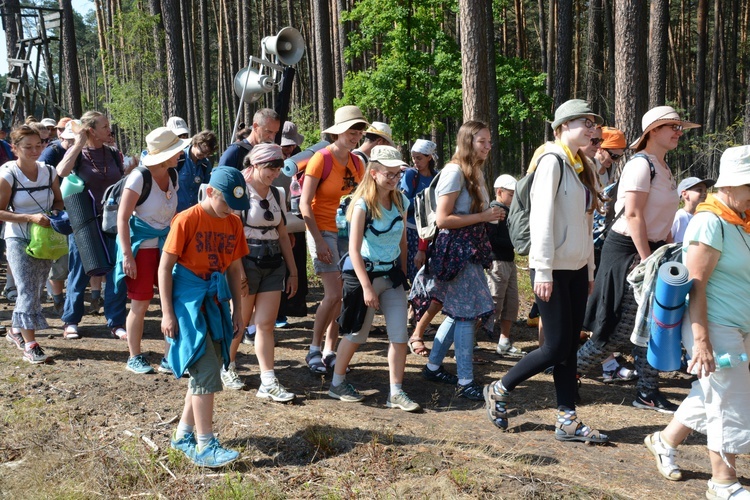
[(575, 161), (714, 205)]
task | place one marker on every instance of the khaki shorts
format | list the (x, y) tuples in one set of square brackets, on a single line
[(502, 279), (205, 372), (59, 270), (338, 248), (261, 280)]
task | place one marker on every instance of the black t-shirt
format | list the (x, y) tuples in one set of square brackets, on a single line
[(502, 247)]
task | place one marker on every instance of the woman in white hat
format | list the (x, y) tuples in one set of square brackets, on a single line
[(646, 202), (142, 226), (716, 249), (321, 195)]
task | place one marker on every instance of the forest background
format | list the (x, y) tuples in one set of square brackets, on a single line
[(424, 66)]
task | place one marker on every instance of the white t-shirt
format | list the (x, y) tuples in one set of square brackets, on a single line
[(158, 208), (264, 229), (24, 202), (663, 198), (452, 180), (680, 223)]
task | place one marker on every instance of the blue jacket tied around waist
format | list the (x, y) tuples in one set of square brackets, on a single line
[(140, 231), (190, 293)]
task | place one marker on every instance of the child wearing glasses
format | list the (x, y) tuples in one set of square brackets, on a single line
[(373, 274)]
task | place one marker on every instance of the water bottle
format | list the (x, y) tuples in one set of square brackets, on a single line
[(295, 192), (341, 224), (728, 360)]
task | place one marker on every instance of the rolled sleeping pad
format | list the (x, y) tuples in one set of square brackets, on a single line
[(672, 286), (71, 184), (298, 162), (88, 235)]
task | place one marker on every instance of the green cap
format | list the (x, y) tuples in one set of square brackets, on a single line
[(572, 109)]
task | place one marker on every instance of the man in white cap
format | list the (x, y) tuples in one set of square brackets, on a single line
[(693, 191), (377, 134), (503, 276), (266, 124), (51, 125), (179, 127)]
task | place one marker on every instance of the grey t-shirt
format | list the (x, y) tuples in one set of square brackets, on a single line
[(452, 180)]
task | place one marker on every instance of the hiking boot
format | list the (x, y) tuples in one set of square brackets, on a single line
[(402, 401), (510, 351), (274, 391), (654, 400), (439, 375), (34, 354), (138, 364), (230, 379), (472, 391), (664, 456), (735, 491), (186, 444), (345, 392), (213, 455), (15, 337), (164, 366), (496, 404)]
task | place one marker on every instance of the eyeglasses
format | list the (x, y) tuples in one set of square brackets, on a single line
[(587, 123), (614, 156), (390, 176), (266, 206), (596, 141)]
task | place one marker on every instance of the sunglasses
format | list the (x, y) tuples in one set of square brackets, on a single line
[(676, 127), (266, 206), (596, 141), (614, 156)]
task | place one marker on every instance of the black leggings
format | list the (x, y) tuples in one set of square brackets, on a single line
[(562, 317)]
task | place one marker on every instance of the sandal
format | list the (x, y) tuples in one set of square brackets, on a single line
[(496, 404), (70, 332), (314, 360), (418, 350), (119, 332), (569, 428)]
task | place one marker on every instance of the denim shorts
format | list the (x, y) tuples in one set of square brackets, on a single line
[(338, 248)]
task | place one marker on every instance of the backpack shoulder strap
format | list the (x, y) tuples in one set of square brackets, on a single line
[(327, 163), (173, 175), (560, 162), (651, 167), (13, 188), (358, 161), (116, 156), (244, 145), (277, 197), (146, 190)]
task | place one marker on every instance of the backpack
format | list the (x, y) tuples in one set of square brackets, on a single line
[(14, 188), (425, 209), (520, 209), (328, 166), (113, 195), (603, 222)]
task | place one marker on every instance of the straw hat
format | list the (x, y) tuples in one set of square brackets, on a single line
[(162, 144), (381, 129), (344, 119), (656, 117)]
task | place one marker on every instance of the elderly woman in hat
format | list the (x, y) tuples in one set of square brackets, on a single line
[(716, 249), (561, 259), (646, 202), (319, 203), (141, 231)]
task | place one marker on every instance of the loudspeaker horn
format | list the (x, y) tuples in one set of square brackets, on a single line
[(257, 85), (288, 45)]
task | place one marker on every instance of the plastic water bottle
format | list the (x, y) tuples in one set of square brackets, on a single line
[(295, 192), (341, 224), (728, 360)]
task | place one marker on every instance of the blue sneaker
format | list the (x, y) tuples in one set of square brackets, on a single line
[(164, 366), (213, 455), (138, 364), (186, 445), (281, 322)]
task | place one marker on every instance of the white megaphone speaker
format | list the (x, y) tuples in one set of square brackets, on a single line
[(249, 85), (288, 46)]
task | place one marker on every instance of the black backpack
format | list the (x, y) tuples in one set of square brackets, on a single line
[(113, 195)]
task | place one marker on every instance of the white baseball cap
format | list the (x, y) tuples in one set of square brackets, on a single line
[(505, 181)]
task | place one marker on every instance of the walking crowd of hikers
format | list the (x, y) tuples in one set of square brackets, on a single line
[(226, 248)]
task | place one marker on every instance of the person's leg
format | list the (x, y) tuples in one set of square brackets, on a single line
[(564, 373), (722, 473), (443, 341), (77, 282), (328, 309), (114, 303), (510, 303), (663, 446), (134, 325), (266, 305), (416, 341)]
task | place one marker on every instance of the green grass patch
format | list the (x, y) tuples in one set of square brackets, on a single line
[(235, 486)]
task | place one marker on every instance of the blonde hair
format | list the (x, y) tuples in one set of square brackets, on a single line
[(471, 166), (368, 191)]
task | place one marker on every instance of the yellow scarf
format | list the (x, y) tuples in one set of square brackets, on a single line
[(714, 205), (575, 161)]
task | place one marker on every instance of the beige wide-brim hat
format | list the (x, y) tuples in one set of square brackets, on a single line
[(656, 117), (382, 130), (162, 144), (344, 119), (734, 167)]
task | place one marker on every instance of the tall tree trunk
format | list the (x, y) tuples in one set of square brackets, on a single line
[(324, 64), (176, 93), (187, 53), (70, 60), (206, 64), (631, 98), (714, 89), (746, 127), (100, 29), (550, 59), (343, 29), (701, 55), (9, 13), (161, 58), (542, 34), (564, 53), (493, 166), (610, 69), (595, 58), (474, 57), (657, 53)]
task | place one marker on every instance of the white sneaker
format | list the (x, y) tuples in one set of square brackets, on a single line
[(664, 456), (274, 391), (230, 379)]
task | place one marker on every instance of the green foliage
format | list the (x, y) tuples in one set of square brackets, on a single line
[(304, 118), (235, 486)]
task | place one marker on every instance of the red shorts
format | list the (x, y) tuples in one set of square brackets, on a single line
[(147, 265)]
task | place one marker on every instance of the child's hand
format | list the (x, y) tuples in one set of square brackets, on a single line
[(371, 298), (169, 325)]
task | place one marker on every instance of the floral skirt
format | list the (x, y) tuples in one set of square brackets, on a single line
[(467, 296), (30, 275)]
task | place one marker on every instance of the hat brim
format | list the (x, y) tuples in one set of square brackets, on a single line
[(658, 123), (732, 180), (390, 163), (180, 131), (706, 182), (565, 119), (68, 135), (342, 127), (154, 159), (390, 141)]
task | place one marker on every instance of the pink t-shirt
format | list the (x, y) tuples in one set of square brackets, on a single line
[(663, 198)]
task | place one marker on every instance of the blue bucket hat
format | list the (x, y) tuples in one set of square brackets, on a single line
[(61, 223), (232, 185)]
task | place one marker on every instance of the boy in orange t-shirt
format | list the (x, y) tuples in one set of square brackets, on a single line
[(200, 269)]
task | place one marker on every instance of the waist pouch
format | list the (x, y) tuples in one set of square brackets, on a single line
[(265, 253)]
